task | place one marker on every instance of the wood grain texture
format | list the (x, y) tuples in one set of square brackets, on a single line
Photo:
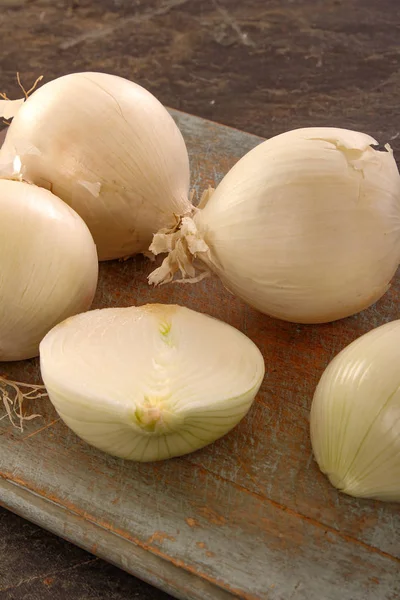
[(250, 516), (264, 66)]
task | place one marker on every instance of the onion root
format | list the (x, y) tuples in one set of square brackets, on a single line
[(13, 396)]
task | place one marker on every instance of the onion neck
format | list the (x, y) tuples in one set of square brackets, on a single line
[(188, 252)]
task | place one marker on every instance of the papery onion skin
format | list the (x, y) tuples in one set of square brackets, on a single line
[(109, 149), (355, 416), (48, 267), (304, 228), (152, 382)]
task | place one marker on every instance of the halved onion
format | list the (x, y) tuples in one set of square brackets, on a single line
[(151, 382)]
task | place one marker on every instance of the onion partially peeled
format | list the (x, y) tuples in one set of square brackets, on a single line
[(355, 416)]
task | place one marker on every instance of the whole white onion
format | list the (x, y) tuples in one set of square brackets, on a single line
[(305, 227), (48, 267), (109, 149)]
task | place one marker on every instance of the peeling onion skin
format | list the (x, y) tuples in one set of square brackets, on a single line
[(109, 149), (304, 228), (152, 382), (48, 267), (355, 416)]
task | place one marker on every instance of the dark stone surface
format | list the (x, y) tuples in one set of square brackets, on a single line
[(37, 565), (264, 66)]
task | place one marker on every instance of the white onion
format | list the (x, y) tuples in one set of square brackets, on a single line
[(108, 148), (305, 227), (151, 382), (48, 267), (355, 416)]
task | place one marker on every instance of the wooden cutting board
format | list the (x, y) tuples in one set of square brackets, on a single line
[(250, 516)]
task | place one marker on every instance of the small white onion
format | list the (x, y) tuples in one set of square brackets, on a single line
[(355, 416), (305, 227), (109, 149), (151, 382), (48, 267)]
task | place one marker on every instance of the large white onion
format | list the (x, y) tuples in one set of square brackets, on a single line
[(108, 148), (151, 382), (355, 416), (48, 267), (305, 227)]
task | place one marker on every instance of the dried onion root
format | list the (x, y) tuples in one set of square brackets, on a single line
[(13, 398)]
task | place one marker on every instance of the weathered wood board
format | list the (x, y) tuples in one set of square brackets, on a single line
[(250, 516)]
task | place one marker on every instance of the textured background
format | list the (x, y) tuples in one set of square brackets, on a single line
[(264, 66)]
